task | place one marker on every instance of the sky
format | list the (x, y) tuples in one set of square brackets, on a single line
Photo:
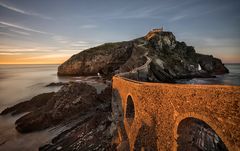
[(50, 31)]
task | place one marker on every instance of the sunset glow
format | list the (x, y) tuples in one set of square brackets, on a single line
[(29, 59), (43, 32)]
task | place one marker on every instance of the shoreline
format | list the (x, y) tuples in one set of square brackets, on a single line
[(70, 130)]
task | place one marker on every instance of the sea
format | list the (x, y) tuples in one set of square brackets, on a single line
[(21, 82), (231, 78)]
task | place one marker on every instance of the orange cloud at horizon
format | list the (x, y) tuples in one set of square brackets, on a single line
[(228, 58), (15, 58), (33, 59)]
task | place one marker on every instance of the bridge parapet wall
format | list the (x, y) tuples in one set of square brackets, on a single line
[(159, 108)]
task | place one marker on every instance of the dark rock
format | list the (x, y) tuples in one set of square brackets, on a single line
[(136, 59), (160, 74), (161, 40), (33, 121), (199, 74), (70, 100), (211, 64), (31, 105), (171, 59), (56, 84), (91, 134), (106, 95), (104, 59)]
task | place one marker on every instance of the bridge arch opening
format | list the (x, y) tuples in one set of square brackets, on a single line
[(196, 135), (130, 110)]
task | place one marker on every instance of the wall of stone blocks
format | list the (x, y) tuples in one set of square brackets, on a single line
[(159, 108)]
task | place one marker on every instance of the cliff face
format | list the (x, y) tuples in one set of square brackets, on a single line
[(102, 59), (170, 59), (175, 60)]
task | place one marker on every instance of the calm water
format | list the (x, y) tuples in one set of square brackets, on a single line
[(21, 82), (232, 78)]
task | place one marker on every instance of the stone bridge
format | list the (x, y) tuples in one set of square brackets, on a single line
[(156, 116)]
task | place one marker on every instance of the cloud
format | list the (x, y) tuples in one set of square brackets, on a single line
[(198, 10), (60, 39), (145, 12), (2, 26), (220, 42), (177, 17), (130, 13), (6, 34), (73, 45), (48, 56), (20, 32), (88, 26), (79, 44), (127, 12), (39, 50), (23, 28), (12, 8), (9, 54), (27, 50)]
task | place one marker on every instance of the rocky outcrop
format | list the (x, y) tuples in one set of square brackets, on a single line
[(71, 100), (92, 133), (30, 105), (171, 59), (212, 65), (53, 84), (104, 59)]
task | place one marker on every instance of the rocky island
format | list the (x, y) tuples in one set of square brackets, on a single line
[(156, 57), (170, 59)]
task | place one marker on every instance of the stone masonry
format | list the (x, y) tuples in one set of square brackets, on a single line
[(148, 114)]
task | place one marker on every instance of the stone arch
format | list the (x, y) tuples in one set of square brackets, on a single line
[(195, 134), (130, 109), (211, 123)]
